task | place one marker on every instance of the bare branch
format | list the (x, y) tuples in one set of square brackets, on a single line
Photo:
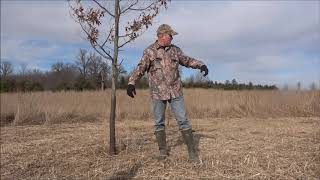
[(110, 32), (100, 46), (71, 14), (105, 9), (120, 46), (107, 53), (120, 63), (143, 9), (97, 44), (84, 29), (126, 35), (109, 57), (132, 39), (128, 8)]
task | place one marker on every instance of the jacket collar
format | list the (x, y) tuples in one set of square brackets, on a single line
[(157, 46)]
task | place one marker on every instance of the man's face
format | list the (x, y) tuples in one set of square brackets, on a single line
[(166, 39)]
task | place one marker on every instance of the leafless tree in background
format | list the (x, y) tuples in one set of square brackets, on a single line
[(61, 76), (98, 70), (313, 86), (299, 86), (82, 62), (57, 67), (23, 68), (6, 69)]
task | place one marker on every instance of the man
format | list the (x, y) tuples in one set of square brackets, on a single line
[(161, 60)]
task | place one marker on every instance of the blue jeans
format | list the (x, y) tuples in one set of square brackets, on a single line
[(178, 109)]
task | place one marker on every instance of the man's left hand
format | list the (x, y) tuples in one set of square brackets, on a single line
[(205, 69)]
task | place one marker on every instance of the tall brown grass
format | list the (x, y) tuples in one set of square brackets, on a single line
[(57, 107)]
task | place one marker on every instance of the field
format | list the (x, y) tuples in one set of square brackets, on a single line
[(239, 134)]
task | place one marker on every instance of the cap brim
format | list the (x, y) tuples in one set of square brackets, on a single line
[(173, 33)]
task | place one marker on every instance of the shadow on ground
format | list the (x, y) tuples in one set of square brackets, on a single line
[(129, 173), (196, 135)]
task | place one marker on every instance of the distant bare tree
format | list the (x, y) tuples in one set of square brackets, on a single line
[(6, 69), (105, 73), (299, 86), (23, 68), (57, 67), (106, 36), (82, 62), (62, 76), (121, 70), (94, 65), (250, 85), (313, 86), (98, 69)]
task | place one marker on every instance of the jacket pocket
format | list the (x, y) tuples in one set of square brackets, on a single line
[(174, 64), (156, 71), (156, 64)]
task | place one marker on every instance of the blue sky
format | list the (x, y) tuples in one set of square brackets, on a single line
[(268, 42)]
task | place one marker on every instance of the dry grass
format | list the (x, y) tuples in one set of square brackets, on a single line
[(240, 135), (52, 108)]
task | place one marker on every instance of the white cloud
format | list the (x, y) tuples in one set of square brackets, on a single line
[(247, 39), (279, 70), (49, 20), (26, 53)]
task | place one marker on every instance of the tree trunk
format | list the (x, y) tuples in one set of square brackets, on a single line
[(102, 80), (114, 81)]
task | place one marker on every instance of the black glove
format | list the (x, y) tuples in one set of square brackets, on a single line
[(205, 69), (131, 90)]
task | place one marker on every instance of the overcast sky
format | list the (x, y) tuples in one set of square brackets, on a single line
[(267, 42)]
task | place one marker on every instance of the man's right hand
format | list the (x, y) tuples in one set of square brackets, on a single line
[(131, 90)]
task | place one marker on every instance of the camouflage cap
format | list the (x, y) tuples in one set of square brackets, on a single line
[(165, 28)]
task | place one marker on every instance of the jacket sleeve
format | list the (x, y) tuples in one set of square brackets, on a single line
[(187, 61), (140, 69)]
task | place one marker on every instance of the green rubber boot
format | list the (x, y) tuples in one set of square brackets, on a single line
[(188, 139), (161, 139)]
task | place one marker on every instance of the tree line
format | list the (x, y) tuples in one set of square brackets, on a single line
[(199, 81), (91, 72)]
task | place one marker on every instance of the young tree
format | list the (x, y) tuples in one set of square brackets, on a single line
[(92, 19)]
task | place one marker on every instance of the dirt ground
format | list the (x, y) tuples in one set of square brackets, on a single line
[(230, 148)]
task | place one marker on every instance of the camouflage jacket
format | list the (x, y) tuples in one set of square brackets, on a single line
[(162, 65)]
